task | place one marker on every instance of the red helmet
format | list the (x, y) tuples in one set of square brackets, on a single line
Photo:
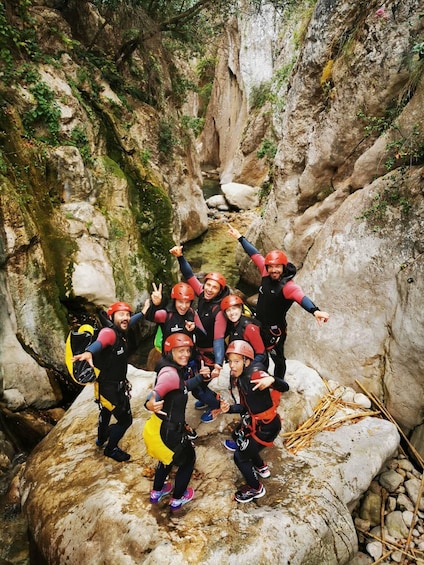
[(182, 291), (118, 307), (231, 300), (275, 257), (241, 347), (217, 277), (177, 340)]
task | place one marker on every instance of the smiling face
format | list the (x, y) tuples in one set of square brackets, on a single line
[(181, 355), (121, 319), (275, 271), (233, 313), (211, 289), (182, 306)]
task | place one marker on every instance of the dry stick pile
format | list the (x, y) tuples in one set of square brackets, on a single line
[(323, 419)]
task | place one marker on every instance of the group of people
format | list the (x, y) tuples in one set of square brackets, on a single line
[(195, 342)]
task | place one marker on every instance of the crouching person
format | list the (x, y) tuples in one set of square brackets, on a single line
[(259, 395), (166, 435)]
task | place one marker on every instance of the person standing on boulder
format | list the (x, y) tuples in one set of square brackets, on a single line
[(259, 395), (277, 293), (165, 433), (109, 354), (211, 345)]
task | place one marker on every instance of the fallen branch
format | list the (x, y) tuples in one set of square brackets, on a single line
[(394, 546)]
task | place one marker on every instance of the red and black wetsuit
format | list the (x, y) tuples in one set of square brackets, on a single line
[(211, 345), (110, 356), (261, 422), (274, 300), (172, 388), (247, 330)]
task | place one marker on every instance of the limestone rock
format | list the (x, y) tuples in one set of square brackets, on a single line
[(396, 525), (99, 509), (218, 201), (241, 196), (391, 480)]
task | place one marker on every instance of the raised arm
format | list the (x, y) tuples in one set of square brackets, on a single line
[(253, 253), (186, 270)]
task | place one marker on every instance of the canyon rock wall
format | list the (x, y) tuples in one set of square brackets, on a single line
[(96, 186), (344, 105)]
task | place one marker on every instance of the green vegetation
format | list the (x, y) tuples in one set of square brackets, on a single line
[(166, 138), (193, 124), (393, 196), (267, 149), (260, 94), (45, 113), (402, 147)]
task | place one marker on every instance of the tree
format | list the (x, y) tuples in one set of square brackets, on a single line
[(182, 19)]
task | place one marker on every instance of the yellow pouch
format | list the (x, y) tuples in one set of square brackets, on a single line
[(154, 444)]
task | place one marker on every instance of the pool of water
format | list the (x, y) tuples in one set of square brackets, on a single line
[(211, 187)]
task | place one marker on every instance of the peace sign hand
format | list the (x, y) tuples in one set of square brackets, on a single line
[(156, 294)]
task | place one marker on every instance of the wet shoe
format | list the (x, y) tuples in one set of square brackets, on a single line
[(200, 405), (157, 495), (263, 471), (247, 493), (230, 444), (210, 415), (191, 434), (117, 454), (176, 503)]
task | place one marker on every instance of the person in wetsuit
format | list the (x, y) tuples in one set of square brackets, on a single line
[(210, 345), (259, 395), (164, 433), (244, 327), (109, 354), (176, 317), (277, 293)]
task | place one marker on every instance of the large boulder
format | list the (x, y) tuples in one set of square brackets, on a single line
[(241, 196), (84, 507)]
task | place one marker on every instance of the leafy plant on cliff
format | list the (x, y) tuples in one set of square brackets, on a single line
[(79, 139), (403, 147), (392, 196), (193, 124), (44, 113), (260, 94), (267, 149), (166, 138), (17, 40)]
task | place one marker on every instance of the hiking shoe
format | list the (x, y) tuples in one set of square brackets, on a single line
[(157, 495), (247, 493), (200, 405), (117, 454), (191, 434), (210, 415), (100, 445), (176, 503), (230, 444), (263, 471)]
